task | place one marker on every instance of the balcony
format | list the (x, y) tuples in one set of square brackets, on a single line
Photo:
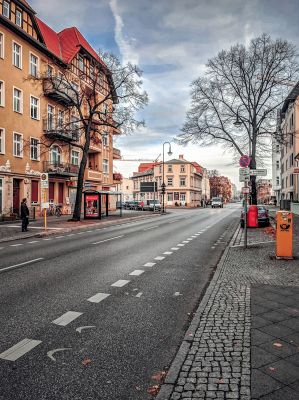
[(116, 154), (53, 130), (60, 169), (60, 90)]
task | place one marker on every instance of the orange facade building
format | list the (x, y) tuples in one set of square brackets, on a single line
[(34, 116)]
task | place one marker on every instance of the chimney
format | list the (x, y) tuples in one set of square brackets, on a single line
[(181, 156)]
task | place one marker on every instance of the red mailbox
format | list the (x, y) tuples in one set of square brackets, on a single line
[(252, 217)]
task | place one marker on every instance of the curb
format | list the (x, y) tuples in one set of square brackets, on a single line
[(174, 370)]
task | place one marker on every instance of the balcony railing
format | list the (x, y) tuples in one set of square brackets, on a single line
[(61, 168), (116, 154), (54, 130), (59, 90)]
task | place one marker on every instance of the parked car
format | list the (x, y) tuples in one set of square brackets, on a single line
[(131, 205), (263, 217), (150, 205), (216, 202)]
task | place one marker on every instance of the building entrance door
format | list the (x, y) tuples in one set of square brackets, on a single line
[(16, 196)]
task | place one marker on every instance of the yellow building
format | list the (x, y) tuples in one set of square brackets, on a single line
[(34, 115)]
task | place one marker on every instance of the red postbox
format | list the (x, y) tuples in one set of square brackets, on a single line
[(252, 217)]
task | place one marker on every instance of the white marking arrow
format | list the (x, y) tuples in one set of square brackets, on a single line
[(50, 353), (81, 328)]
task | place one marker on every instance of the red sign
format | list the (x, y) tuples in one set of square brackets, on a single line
[(92, 207), (244, 161)]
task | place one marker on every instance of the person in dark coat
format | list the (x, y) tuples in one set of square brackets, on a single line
[(24, 215)]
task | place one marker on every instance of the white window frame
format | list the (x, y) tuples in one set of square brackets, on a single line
[(77, 157), (9, 10), (2, 192), (21, 14), (80, 59), (13, 55), (60, 119), (21, 145), (38, 108), (105, 139), (13, 100), (37, 149), (2, 44), (49, 71), (59, 153), (185, 179), (2, 97), (30, 64), (53, 117), (169, 178), (105, 166), (2, 140)]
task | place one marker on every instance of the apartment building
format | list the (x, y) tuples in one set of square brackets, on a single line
[(264, 190), (183, 180), (276, 169), (38, 129), (290, 146)]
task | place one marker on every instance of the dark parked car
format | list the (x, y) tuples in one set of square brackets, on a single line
[(263, 216)]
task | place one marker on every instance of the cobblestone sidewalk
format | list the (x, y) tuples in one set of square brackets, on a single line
[(214, 360)]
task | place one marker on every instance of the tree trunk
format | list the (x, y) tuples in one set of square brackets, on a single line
[(253, 177)]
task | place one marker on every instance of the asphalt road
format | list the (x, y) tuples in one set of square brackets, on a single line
[(132, 287)]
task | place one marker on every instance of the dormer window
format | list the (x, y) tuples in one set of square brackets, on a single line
[(6, 9), (81, 63), (19, 18)]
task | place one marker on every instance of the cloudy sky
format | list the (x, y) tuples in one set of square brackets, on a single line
[(171, 40)]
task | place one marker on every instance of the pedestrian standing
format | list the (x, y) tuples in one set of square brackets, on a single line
[(24, 215)]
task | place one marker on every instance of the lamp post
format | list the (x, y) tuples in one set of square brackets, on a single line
[(163, 183)]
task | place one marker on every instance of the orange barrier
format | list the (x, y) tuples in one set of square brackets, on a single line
[(284, 234)]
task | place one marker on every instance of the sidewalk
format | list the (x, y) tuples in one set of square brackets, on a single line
[(243, 342), (12, 231)]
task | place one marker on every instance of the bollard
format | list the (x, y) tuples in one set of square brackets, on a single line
[(284, 235)]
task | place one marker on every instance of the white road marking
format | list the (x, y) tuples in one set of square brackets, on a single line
[(33, 227), (34, 241), (151, 227), (50, 353), (19, 265), (149, 264), (71, 234), (193, 237), (180, 245), (66, 318), (139, 294), (98, 297), (58, 237), (137, 272), (167, 252), (213, 247), (88, 231), (47, 239), (120, 283), (185, 241), (15, 245), (19, 349), (82, 328), (159, 258), (1, 248), (107, 240), (81, 233), (175, 248), (178, 294), (190, 238)]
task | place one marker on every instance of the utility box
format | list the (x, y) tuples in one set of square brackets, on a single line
[(284, 235), (252, 217)]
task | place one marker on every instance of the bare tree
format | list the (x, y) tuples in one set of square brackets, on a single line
[(107, 98), (235, 102)]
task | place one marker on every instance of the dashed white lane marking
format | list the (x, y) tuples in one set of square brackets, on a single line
[(139, 294), (58, 237), (177, 294), (88, 231), (185, 241), (167, 252), (137, 272), (149, 264), (34, 241), (98, 297), (19, 265), (19, 349), (81, 233), (159, 258), (15, 245), (71, 234), (151, 227), (190, 238), (193, 237), (107, 240), (213, 247), (180, 245), (66, 318), (48, 239), (175, 248), (120, 283)]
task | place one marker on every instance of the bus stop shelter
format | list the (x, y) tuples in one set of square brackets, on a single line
[(96, 203)]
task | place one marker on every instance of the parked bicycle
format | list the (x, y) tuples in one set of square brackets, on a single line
[(54, 210)]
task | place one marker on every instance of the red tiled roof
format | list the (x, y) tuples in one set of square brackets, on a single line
[(50, 37), (197, 167)]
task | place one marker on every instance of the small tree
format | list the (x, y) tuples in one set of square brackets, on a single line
[(234, 103), (108, 98)]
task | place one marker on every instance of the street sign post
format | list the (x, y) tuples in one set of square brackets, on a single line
[(44, 179), (258, 172), (244, 161)]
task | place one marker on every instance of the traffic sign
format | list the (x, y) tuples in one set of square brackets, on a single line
[(245, 190), (260, 172), (243, 174), (44, 181), (244, 161)]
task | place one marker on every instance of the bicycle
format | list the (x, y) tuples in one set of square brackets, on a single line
[(54, 211)]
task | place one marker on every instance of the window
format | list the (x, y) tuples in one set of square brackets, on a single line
[(74, 125), (2, 141), (182, 196), (81, 63), (286, 165), (1, 45), (291, 160), (277, 148), (75, 157), (60, 118), (277, 180), (49, 71), (182, 181), (291, 180), (1, 195), (6, 9), (160, 169), (17, 55), (105, 166), (169, 181), (286, 182), (17, 100), (282, 184), (34, 191), (91, 72), (55, 155), (182, 168), (277, 164), (169, 196), (50, 118), (2, 94), (33, 61), (105, 139), (34, 107), (17, 145), (19, 18), (169, 168), (34, 149)]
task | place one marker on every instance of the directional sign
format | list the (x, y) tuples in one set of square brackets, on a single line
[(243, 174), (258, 172), (244, 161)]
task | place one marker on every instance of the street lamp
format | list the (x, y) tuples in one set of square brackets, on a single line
[(163, 183), (238, 122)]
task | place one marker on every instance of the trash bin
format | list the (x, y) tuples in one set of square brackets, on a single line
[(252, 217)]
